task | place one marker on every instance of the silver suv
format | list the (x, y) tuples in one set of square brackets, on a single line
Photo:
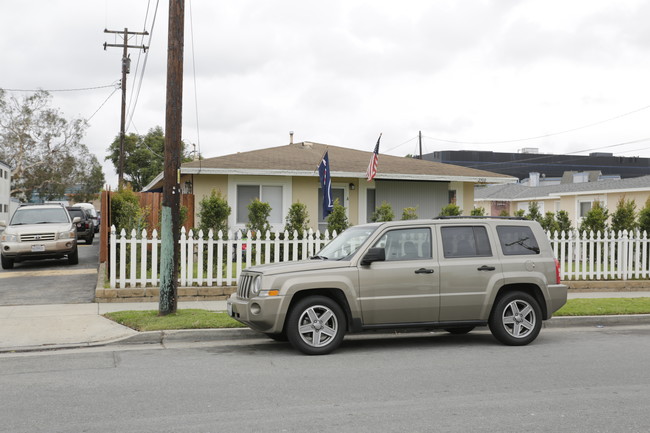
[(451, 274), (39, 232)]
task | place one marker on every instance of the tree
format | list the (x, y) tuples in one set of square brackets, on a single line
[(297, 219), (143, 156), (624, 217), (383, 213), (595, 220), (451, 210), (337, 220), (45, 149), (213, 213), (92, 184)]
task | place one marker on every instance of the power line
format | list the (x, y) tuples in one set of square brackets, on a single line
[(544, 135), (106, 100), (79, 89)]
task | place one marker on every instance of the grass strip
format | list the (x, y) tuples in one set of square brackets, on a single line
[(604, 307), (149, 320)]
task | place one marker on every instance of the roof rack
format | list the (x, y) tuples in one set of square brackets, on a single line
[(479, 217), (41, 204)]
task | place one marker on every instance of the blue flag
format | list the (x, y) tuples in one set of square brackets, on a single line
[(326, 185)]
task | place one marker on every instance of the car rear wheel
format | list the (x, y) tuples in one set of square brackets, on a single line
[(516, 319), (7, 263), (316, 325), (73, 257)]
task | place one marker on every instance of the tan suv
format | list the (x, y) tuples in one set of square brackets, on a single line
[(452, 274), (39, 232)]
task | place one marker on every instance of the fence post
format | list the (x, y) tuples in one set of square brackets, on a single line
[(143, 258), (113, 258), (183, 245), (122, 258), (199, 259)]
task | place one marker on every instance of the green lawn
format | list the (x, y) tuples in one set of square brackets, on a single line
[(202, 319)]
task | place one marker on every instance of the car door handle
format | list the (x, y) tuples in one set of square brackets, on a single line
[(424, 271), (486, 268)]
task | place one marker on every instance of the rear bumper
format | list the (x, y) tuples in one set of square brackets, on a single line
[(557, 298)]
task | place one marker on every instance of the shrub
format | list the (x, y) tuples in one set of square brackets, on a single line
[(126, 212), (410, 213), (624, 217), (258, 216), (533, 212), (213, 213), (478, 211), (451, 210), (549, 223), (644, 218), (297, 219), (383, 213), (337, 220), (596, 219), (563, 221)]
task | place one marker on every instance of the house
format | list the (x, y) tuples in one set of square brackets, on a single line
[(5, 190), (287, 174), (575, 198)]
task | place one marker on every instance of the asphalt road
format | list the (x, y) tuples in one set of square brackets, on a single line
[(41, 282), (569, 380)]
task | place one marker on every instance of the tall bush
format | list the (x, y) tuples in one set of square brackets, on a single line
[(337, 220), (624, 217), (383, 213), (213, 213), (258, 216), (126, 212), (596, 219), (409, 213), (297, 219), (644, 218)]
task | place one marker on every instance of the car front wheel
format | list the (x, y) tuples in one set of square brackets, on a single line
[(73, 257), (316, 325), (516, 319), (7, 263)]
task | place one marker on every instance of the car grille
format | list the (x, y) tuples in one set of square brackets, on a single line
[(35, 237), (244, 285)]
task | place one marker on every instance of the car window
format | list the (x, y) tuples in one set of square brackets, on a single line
[(517, 240), (77, 213), (406, 244), (465, 241), (40, 216)]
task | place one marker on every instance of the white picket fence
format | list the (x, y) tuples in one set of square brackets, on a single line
[(206, 261), (606, 256)]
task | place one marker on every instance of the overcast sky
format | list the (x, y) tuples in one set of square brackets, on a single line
[(479, 75)]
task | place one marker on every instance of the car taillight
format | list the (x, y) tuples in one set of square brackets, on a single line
[(557, 271)]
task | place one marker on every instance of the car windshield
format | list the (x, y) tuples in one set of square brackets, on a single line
[(345, 244), (40, 216)]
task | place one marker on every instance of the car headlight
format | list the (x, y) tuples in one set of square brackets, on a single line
[(6, 237), (70, 234), (256, 286)]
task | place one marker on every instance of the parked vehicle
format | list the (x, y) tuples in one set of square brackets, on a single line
[(39, 232), (451, 274), (85, 226), (93, 214)]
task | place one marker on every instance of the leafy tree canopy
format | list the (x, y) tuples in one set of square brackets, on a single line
[(45, 150), (144, 156)]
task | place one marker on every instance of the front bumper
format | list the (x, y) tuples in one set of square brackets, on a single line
[(38, 250), (263, 314)]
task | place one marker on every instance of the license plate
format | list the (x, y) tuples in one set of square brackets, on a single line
[(229, 307), (38, 248)]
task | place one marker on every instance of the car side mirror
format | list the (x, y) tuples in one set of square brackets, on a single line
[(3, 223), (374, 255), (75, 220)]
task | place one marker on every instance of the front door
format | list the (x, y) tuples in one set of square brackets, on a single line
[(405, 287)]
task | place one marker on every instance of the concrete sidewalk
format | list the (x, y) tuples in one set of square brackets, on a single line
[(43, 327)]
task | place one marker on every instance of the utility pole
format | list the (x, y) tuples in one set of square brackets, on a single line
[(420, 136), (170, 224), (126, 66)]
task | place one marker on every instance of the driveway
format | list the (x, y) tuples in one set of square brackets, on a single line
[(52, 281)]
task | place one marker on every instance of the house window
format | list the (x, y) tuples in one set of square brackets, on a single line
[(270, 194), (585, 207), (452, 196)]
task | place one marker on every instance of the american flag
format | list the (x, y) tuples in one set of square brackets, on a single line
[(372, 167)]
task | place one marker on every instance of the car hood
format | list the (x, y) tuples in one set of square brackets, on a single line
[(39, 228), (299, 266)]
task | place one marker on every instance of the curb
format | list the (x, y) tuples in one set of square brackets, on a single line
[(617, 320)]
